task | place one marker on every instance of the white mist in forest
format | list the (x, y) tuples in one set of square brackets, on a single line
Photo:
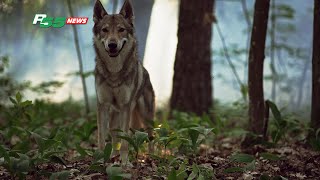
[(161, 47)]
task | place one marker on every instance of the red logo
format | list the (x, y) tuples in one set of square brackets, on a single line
[(77, 20)]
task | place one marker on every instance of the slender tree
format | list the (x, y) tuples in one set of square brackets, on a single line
[(315, 109), (142, 13), (192, 89), (248, 21), (272, 50), (255, 77), (83, 79)]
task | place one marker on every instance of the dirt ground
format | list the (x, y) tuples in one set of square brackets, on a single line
[(297, 162)]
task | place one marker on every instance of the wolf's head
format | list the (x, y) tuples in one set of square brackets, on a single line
[(113, 33)]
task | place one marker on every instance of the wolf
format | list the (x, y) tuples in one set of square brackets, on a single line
[(125, 96)]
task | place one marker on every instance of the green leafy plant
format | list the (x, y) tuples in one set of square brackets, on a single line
[(86, 130), (16, 163), (115, 173), (314, 140), (198, 172), (164, 137), (33, 143), (192, 137), (247, 159), (267, 177), (136, 140), (100, 158), (270, 156), (62, 175), (279, 121)]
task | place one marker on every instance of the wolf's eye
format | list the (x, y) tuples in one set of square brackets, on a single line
[(121, 29), (105, 30)]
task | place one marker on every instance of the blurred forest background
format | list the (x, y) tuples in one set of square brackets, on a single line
[(41, 55), (216, 88)]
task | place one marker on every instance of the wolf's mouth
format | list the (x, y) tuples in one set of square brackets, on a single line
[(115, 52)]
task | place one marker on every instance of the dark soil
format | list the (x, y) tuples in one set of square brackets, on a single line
[(297, 162)]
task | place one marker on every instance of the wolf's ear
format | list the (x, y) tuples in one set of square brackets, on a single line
[(98, 11), (127, 11)]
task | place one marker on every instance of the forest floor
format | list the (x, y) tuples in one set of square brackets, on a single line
[(295, 162), (43, 140)]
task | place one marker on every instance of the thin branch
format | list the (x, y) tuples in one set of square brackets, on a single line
[(280, 60), (272, 55), (246, 12), (247, 17), (226, 53)]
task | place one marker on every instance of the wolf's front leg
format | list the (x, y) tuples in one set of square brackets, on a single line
[(124, 150), (103, 118), (121, 121)]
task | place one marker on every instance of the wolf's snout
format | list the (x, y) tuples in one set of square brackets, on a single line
[(112, 45), (112, 48)]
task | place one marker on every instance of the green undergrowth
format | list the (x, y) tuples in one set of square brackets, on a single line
[(40, 132)]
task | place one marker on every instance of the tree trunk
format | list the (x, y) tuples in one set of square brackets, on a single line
[(255, 79), (192, 89), (315, 109), (142, 13)]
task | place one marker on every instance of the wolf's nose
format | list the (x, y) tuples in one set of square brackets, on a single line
[(112, 45)]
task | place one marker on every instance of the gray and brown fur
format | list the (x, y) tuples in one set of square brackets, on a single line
[(125, 97)]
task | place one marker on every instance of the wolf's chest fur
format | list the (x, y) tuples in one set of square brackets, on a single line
[(119, 91)]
